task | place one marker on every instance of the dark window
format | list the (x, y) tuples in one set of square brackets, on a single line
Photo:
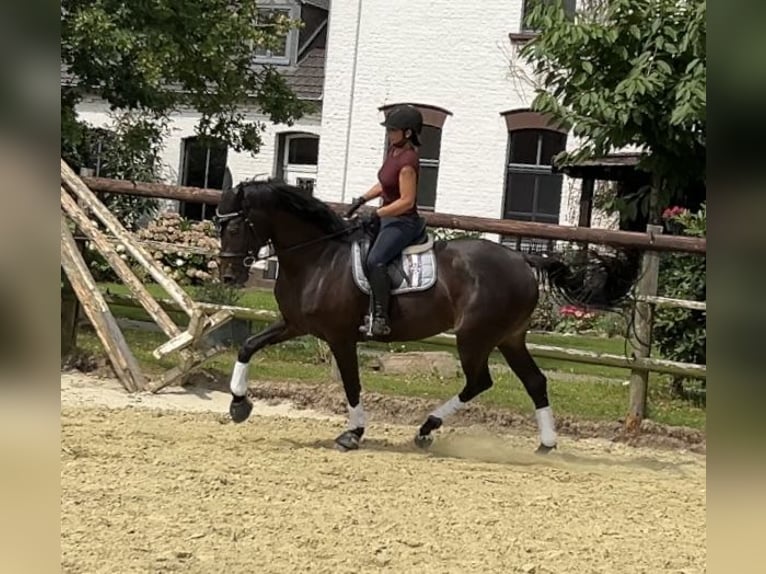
[(430, 148), (204, 165), (429, 151), (532, 191), (569, 8), (427, 180), (306, 184), (303, 151), (430, 143), (278, 50)]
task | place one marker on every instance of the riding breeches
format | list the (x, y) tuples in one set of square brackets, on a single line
[(395, 234)]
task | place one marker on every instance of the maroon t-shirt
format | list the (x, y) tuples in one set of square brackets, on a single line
[(388, 176)]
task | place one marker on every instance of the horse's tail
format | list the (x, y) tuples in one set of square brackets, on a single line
[(588, 278)]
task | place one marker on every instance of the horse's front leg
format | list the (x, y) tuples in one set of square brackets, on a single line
[(348, 366), (241, 406)]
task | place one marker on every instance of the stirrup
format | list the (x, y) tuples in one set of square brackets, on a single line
[(380, 327), (374, 327)]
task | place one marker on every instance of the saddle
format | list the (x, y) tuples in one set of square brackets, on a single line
[(414, 270)]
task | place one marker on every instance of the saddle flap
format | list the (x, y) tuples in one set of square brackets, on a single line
[(419, 247), (410, 272)]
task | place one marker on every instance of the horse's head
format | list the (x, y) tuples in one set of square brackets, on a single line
[(242, 235), (270, 212)]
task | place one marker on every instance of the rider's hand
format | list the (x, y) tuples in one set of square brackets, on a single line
[(356, 204), (369, 220)]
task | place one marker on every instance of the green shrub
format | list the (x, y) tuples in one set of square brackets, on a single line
[(681, 334), (545, 317), (611, 324), (214, 291)]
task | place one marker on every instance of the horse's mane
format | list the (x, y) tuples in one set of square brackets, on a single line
[(273, 193)]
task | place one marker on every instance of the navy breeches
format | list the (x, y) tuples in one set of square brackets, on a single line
[(395, 234)]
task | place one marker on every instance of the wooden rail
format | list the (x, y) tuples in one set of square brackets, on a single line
[(644, 241), (650, 243), (545, 351), (79, 207)]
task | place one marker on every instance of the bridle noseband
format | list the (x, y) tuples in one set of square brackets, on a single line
[(250, 257)]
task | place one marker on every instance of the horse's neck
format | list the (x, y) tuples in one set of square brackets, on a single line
[(300, 246), (289, 231)]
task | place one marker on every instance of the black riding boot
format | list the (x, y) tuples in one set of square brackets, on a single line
[(380, 292)]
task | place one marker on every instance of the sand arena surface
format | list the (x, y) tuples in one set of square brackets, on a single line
[(184, 490)]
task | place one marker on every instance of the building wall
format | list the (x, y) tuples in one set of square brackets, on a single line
[(456, 56), (243, 165), (453, 55)]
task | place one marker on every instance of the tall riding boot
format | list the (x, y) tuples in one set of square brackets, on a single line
[(380, 287)]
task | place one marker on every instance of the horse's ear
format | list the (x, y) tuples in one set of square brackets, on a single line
[(228, 180)]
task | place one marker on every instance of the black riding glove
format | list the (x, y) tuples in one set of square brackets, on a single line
[(369, 221), (356, 204)]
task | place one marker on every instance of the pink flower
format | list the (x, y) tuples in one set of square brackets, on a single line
[(567, 310), (674, 211), (573, 311)]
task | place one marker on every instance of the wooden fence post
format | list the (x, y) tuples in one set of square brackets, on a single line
[(70, 305), (124, 363), (640, 335), (69, 312)]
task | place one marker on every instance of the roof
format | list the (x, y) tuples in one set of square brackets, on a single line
[(323, 4), (614, 166), (307, 78)]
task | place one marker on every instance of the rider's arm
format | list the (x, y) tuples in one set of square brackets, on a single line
[(358, 202), (408, 182), (373, 192)]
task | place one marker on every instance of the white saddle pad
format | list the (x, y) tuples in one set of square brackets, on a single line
[(412, 272)]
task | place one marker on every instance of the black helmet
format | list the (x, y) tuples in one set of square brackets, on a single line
[(405, 117)]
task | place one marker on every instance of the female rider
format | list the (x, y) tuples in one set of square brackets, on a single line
[(400, 223)]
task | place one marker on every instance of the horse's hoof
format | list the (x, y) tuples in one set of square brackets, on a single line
[(348, 440), (240, 409), (543, 449), (424, 441)]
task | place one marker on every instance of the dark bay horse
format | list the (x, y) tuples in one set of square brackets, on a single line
[(484, 291)]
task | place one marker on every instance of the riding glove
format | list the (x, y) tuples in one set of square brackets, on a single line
[(356, 204), (369, 221)]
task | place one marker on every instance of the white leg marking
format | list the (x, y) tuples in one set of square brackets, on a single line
[(238, 384), (449, 408), (546, 425), (356, 417)]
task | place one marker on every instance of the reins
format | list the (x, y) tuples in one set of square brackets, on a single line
[(250, 257)]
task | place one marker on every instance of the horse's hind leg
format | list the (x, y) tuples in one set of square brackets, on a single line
[(521, 362), (474, 360)]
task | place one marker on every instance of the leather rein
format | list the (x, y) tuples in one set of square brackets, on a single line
[(250, 256)]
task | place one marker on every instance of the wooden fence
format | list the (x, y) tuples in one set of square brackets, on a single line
[(78, 205), (651, 243)]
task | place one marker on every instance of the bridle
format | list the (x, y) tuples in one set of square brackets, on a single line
[(250, 257)]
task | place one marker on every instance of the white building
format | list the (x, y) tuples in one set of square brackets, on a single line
[(484, 153), (290, 152)]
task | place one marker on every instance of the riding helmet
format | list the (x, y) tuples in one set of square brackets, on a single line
[(405, 117)]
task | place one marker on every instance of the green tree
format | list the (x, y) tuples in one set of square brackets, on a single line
[(161, 56), (627, 72)]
